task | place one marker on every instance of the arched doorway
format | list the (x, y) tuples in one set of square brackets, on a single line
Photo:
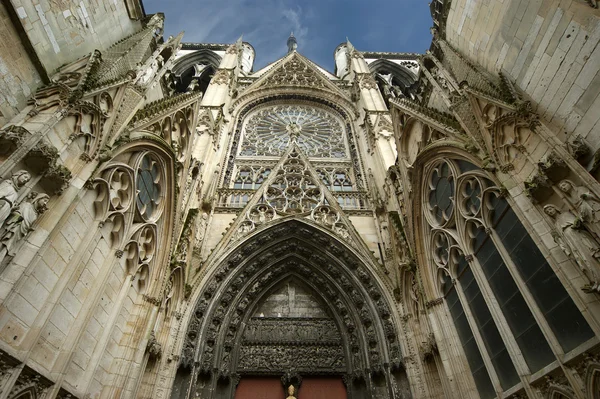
[(291, 304)]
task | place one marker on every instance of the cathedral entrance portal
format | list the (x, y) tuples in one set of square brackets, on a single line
[(291, 305), (271, 388)]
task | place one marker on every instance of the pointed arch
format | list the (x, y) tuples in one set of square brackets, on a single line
[(481, 262), (355, 296)]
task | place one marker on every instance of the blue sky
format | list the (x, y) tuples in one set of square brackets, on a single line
[(319, 25)]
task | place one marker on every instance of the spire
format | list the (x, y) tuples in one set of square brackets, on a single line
[(349, 45), (292, 43)]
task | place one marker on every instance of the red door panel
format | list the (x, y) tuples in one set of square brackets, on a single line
[(322, 388), (259, 388)]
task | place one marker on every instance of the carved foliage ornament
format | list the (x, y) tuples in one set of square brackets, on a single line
[(294, 72)]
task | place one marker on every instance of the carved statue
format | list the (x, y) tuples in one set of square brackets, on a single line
[(291, 391), (201, 223), (577, 243), (9, 192), (19, 223), (148, 73), (587, 204)]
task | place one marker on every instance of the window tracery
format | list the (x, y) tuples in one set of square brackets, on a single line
[(269, 131), (130, 195), (250, 177), (482, 255)]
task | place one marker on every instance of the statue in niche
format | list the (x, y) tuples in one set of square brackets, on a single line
[(577, 243), (19, 223), (587, 204), (9, 192), (291, 391), (201, 223)]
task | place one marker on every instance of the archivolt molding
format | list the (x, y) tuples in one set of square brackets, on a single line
[(590, 372), (291, 248)]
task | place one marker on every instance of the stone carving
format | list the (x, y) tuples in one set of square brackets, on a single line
[(153, 347), (291, 330), (586, 203), (11, 138), (20, 222), (201, 223), (317, 358), (578, 243), (291, 392), (30, 384), (144, 75), (367, 82), (294, 72), (222, 77), (9, 192)]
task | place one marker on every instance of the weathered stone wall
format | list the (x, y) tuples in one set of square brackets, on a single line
[(548, 47), (18, 76), (59, 32)]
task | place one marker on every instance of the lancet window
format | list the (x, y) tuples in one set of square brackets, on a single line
[(335, 179), (500, 290), (250, 177)]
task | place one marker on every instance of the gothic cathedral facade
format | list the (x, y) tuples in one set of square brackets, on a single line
[(176, 224)]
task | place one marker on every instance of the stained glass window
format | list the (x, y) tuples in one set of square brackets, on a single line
[(148, 187), (468, 215), (270, 130)]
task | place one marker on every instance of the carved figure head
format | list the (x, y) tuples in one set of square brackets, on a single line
[(565, 186), (20, 178), (40, 202), (551, 211)]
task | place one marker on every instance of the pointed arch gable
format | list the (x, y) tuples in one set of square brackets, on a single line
[(477, 255), (344, 109), (233, 286), (127, 158)]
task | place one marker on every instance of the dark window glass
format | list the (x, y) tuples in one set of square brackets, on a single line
[(566, 321), (487, 328), (440, 197), (520, 319), (466, 166), (480, 375)]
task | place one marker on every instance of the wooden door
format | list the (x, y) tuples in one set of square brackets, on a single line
[(322, 388), (259, 388)]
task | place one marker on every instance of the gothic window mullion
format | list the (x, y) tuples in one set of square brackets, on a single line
[(463, 338), (509, 297), (535, 310), (546, 303), (478, 338), (499, 319)]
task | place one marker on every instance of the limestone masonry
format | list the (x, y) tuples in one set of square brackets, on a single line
[(176, 224)]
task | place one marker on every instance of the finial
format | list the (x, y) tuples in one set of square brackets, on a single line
[(292, 43)]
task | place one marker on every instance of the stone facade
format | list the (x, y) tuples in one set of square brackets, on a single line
[(173, 223)]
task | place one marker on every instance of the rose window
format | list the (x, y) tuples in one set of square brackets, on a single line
[(269, 132)]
